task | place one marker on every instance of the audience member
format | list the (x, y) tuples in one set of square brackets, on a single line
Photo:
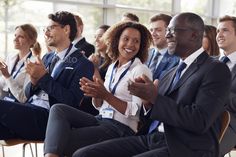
[(100, 59), (59, 83), (188, 104), (80, 41), (226, 37), (69, 129), (159, 59), (127, 16), (101, 62), (209, 41), (14, 77)]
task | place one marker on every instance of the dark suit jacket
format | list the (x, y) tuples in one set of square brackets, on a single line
[(231, 103), (168, 61), (229, 140), (83, 45), (190, 111), (64, 86)]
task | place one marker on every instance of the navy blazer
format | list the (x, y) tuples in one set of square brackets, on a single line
[(64, 86), (190, 111), (85, 46), (168, 61)]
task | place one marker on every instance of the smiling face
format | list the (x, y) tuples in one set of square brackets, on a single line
[(226, 37), (129, 44), (99, 44), (158, 31), (180, 38), (55, 34)]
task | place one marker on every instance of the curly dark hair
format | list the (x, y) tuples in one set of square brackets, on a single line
[(65, 18), (112, 37)]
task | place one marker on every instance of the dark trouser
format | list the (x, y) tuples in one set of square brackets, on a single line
[(24, 121), (138, 146), (70, 129)]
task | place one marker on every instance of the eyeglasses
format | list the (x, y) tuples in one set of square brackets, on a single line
[(50, 28), (173, 30)]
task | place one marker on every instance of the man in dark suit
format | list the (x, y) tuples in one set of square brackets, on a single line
[(50, 84), (188, 102), (159, 60), (226, 37), (80, 41)]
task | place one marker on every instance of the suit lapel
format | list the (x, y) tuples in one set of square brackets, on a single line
[(191, 70), (165, 82), (68, 62), (58, 70), (162, 65), (233, 72)]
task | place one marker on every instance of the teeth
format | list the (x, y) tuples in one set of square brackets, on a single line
[(171, 43), (128, 50)]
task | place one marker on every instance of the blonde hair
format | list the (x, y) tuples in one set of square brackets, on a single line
[(31, 33)]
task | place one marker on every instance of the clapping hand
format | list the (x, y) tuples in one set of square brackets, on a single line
[(144, 88), (4, 69), (36, 70), (93, 88)]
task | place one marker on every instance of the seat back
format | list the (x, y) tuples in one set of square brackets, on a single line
[(224, 124)]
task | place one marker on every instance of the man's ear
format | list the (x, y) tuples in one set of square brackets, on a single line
[(195, 36), (67, 29)]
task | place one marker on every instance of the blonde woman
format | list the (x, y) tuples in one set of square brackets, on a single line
[(14, 76)]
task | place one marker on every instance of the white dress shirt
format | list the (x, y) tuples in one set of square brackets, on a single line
[(232, 60), (131, 116), (17, 84)]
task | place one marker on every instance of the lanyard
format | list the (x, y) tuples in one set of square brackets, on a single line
[(14, 67), (121, 76)]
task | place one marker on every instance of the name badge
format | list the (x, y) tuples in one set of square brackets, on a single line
[(107, 113), (8, 99)]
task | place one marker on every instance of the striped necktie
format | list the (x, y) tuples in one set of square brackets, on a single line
[(224, 59)]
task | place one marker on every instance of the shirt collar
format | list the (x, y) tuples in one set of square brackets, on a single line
[(190, 59), (77, 40), (162, 51), (232, 57), (62, 53)]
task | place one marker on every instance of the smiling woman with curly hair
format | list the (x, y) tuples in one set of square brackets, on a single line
[(70, 129)]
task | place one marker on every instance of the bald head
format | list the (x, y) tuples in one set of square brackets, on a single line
[(185, 33), (192, 21)]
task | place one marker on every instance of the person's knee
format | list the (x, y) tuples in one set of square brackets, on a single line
[(57, 109), (83, 152)]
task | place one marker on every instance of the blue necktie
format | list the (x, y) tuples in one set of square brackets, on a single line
[(153, 126), (224, 59), (179, 70), (154, 61), (54, 60)]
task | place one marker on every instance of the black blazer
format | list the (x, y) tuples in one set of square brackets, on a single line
[(64, 86), (231, 103), (83, 45), (191, 110)]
